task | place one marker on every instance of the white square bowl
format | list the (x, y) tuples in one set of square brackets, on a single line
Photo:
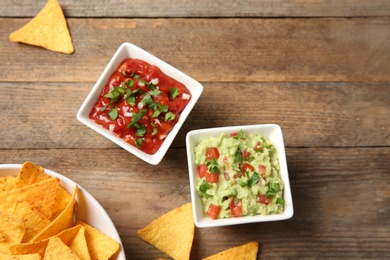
[(274, 134), (128, 50)]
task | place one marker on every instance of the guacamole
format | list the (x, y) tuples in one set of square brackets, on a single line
[(238, 175)]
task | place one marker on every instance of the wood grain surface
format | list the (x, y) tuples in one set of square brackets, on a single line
[(319, 69)]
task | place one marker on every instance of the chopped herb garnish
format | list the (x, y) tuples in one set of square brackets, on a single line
[(241, 183), (174, 92), (138, 142), (113, 113), (204, 187), (130, 83), (279, 201), (254, 179), (136, 117), (239, 135), (169, 116), (273, 188), (141, 130), (158, 109), (114, 95), (238, 157), (212, 166)]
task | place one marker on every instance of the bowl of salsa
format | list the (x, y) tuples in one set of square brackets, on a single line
[(140, 103), (238, 175)]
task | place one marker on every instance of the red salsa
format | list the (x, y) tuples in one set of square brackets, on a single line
[(140, 104)]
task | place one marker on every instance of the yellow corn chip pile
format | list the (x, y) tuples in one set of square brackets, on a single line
[(48, 29), (37, 221)]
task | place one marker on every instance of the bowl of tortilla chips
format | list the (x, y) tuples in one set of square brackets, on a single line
[(47, 214)]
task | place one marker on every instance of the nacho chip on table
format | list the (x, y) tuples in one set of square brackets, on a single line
[(172, 233), (247, 251), (48, 29)]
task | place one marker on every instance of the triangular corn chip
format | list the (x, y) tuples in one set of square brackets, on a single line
[(39, 247), (40, 196), (172, 233), (30, 174), (56, 249), (100, 246), (245, 252), (79, 245), (62, 222), (48, 29), (11, 229)]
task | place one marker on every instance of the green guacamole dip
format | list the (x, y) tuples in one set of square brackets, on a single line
[(238, 175)]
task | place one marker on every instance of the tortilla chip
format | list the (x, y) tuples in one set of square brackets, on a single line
[(40, 247), (56, 249), (61, 201), (62, 222), (12, 230), (39, 195), (100, 245), (34, 221), (48, 29), (30, 174), (20, 257), (7, 183), (79, 245), (246, 252), (172, 233)]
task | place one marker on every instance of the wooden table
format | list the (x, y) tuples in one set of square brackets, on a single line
[(319, 69)]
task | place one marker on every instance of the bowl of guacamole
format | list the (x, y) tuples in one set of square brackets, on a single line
[(238, 175)]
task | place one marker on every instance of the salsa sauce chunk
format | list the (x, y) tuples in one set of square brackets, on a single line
[(140, 104)]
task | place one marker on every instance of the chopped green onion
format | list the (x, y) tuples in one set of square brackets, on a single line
[(241, 183), (279, 201)]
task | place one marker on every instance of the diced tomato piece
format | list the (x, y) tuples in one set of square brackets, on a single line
[(263, 199), (258, 147), (233, 134), (212, 153), (213, 211), (237, 175), (245, 155), (236, 207), (211, 177), (263, 170), (202, 170), (246, 167), (226, 176)]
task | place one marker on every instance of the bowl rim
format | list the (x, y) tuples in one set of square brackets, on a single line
[(69, 185), (129, 50), (193, 137)]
